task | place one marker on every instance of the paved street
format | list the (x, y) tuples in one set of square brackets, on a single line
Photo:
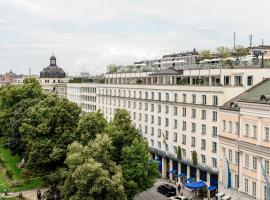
[(152, 193)]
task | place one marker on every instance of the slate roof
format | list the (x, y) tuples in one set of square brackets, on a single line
[(259, 93)]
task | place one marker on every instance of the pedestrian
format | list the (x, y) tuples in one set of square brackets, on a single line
[(179, 188)]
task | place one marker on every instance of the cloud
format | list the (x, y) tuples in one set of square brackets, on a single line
[(88, 35)]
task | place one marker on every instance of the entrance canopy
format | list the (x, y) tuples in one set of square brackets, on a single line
[(181, 175), (190, 179), (196, 185), (211, 188)]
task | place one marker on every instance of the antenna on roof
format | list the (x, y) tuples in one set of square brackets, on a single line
[(250, 41), (262, 42)]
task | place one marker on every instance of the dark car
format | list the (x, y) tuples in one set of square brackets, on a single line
[(167, 190)]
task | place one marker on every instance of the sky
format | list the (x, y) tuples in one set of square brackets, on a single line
[(87, 35)]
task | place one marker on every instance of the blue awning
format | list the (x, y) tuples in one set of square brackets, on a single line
[(196, 185), (181, 175), (211, 187), (190, 179)]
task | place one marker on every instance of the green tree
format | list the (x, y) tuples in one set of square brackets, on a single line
[(90, 125), (194, 157), (112, 68), (179, 153), (48, 129), (206, 54), (139, 171), (92, 173), (241, 51), (224, 52), (122, 131)]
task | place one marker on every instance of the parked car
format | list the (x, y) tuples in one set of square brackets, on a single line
[(178, 198), (167, 190)]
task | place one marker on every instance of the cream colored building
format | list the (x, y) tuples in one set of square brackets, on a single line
[(178, 108), (245, 141)]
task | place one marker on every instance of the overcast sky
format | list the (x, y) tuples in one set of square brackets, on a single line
[(87, 35)]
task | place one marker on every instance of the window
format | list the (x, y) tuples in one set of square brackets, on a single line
[(184, 153), (159, 96), (215, 100), (203, 158), (184, 139), (266, 167), (175, 124), (193, 98), (184, 112), (166, 135), (152, 142), (184, 126), (145, 118), (238, 80), (193, 127), (254, 163), (254, 128), (214, 131), (152, 107), (140, 94), (166, 109), (237, 127), (246, 185), (266, 133), (175, 97), (193, 141), (140, 116), (203, 114), (159, 121), (214, 147), (159, 145), (214, 116), (159, 108), (175, 149), (246, 160), (167, 97), (203, 144), (266, 193), (146, 95), (152, 95), (166, 122), (175, 110), (246, 129), (152, 119), (184, 96), (204, 99), (152, 131), (236, 157), (159, 133), (250, 80), (146, 129), (140, 105), (175, 137), (227, 80), (214, 162), (134, 105), (203, 129), (146, 106), (236, 182), (223, 125), (230, 126), (193, 113), (230, 155)]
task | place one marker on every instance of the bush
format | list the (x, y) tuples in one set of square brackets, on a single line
[(8, 173), (14, 184)]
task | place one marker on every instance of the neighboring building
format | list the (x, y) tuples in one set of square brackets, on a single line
[(259, 50), (245, 141), (11, 78), (53, 78), (178, 108), (83, 94)]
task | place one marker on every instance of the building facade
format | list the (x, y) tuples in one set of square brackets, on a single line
[(245, 141)]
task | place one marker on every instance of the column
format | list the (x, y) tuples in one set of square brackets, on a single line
[(164, 167), (179, 171), (208, 184), (197, 174), (171, 168), (259, 179), (188, 171)]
